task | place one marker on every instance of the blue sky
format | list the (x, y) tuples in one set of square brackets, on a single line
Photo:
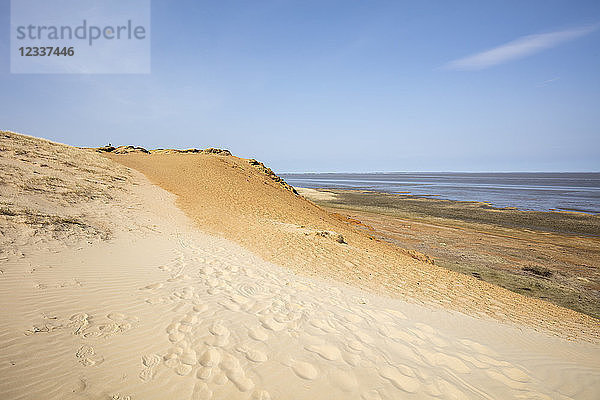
[(342, 86)]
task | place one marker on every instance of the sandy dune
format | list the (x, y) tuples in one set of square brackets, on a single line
[(230, 197), (143, 305)]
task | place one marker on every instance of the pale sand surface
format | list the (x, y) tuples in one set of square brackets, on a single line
[(142, 305)]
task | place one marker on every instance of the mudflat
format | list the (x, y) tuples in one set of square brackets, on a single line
[(554, 256)]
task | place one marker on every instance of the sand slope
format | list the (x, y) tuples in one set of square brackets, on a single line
[(161, 310), (230, 197)]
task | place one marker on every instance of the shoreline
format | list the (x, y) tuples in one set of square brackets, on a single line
[(525, 191), (439, 197), (569, 222), (557, 263)]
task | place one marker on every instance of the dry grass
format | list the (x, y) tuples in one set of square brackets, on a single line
[(50, 191)]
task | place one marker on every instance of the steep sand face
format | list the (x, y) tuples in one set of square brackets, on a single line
[(160, 310), (229, 196)]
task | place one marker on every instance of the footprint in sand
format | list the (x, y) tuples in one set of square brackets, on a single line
[(172, 327), (201, 392), (183, 369), (210, 358), (153, 286), (234, 372), (185, 328), (261, 395), (116, 316), (117, 323), (187, 293), (258, 333), (220, 334), (252, 354), (176, 336), (79, 321), (189, 357), (87, 356), (120, 397), (271, 324), (204, 373), (149, 363), (187, 322), (250, 290), (172, 358), (220, 378), (304, 370)]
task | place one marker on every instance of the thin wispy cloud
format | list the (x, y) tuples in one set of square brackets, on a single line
[(519, 48), (547, 82)]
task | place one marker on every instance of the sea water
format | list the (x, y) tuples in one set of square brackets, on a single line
[(526, 191)]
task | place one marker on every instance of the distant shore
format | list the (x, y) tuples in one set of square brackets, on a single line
[(552, 256), (527, 191)]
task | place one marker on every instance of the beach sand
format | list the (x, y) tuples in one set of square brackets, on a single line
[(113, 287)]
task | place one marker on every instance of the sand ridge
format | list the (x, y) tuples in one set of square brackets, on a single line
[(225, 195)]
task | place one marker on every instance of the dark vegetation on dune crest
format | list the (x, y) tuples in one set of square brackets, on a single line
[(220, 152), (137, 149), (267, 171)]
